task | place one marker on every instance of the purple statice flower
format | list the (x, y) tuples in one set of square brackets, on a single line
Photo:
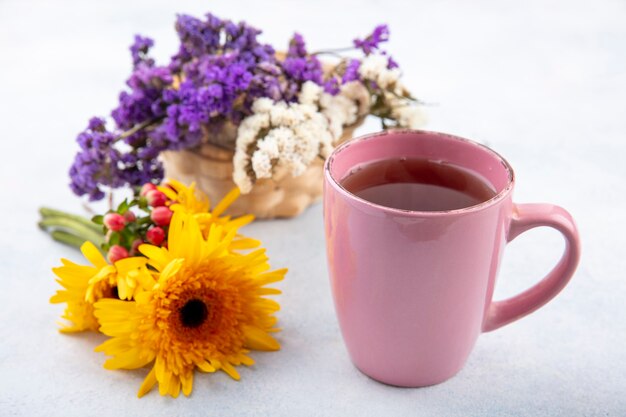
[(150, 77), (141, 167), (372, 42), (199, 38), (210, 94), (197, 104), (173, 133), (185, 115), (134, 107), (240, 37), (391, 63), (96, 124), (144, 101), (304, 69), (297, 47), (331, 86), (96, 164), (139, 51), (352, 71), (300, 67)]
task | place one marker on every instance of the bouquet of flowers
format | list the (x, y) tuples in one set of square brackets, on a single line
[(271, 114), (181, 290)]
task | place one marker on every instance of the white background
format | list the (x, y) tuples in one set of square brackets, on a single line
[(542, 82)]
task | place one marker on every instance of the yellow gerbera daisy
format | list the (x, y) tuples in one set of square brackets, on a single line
[(85, 284), (192, 201), (206, 310)]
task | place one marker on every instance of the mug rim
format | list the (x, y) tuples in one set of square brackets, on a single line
[(370, 136)]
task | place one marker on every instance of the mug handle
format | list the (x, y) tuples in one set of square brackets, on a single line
[(526, 217)]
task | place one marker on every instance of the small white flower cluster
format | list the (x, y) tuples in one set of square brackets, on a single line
[(292, 135), (375, 68), (340, 110)]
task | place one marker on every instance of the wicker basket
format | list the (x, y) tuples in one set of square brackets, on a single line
[(211, 168)]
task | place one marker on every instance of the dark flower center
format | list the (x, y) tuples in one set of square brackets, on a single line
[(193, 313)]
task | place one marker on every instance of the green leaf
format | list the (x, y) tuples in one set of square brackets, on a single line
[(127, 237), (123, 207), (144, 220), (114, 239), (99, 219)]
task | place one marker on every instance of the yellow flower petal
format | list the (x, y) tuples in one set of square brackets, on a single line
[(271, 277), (205, 366), (230, 370), (157, 257), (171, 269), (93, 255), (187, 382), (147, 384), (226, 202), (257, 339)]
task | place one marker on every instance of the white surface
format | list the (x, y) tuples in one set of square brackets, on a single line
[(544, 83)]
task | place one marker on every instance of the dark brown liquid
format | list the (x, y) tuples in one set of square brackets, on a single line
[(417, 185)]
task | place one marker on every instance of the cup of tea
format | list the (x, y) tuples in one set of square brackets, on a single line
[(416, 223)]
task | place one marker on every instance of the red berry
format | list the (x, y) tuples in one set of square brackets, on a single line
[(156, 198), (134, 248), (147, 187), (114, 221), (155, 235), (117, 252), (161, 216), (130, 217)]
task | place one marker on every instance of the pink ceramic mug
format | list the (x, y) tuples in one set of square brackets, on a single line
[(413, 290)]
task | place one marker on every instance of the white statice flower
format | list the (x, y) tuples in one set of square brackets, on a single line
[(286, 115), (308, 111), (249, 129), (262, 165), (241, 161), (316, 131), (269, 146), (372, 65), (340, 110), (356, 92), (388, 78), (310, 93), (310, 134), (277, 112), (290, 148), (295, 135), (408, 116), (247, 134), (374, 68), (405, 112), (262, 105)]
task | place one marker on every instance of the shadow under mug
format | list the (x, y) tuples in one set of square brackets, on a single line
[(413, 290)]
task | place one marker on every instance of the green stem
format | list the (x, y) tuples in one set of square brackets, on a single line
[(335, 51), (137, 128), (49, 212), (67, 238), (409, 98), (78, 228)]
